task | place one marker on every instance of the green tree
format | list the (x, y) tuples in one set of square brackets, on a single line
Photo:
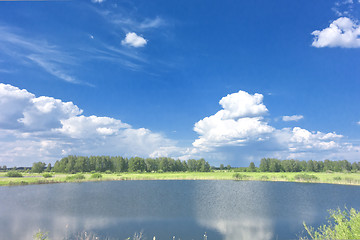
[(252, 167), (222, 167), (137, 164), (38, 167), (48, 168), (264, 164)]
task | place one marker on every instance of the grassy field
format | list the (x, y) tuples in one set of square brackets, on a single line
[(332, 178)]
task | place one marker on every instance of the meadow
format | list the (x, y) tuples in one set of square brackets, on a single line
[(307, 177)]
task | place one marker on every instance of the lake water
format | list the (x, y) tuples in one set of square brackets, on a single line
[(185, 209)]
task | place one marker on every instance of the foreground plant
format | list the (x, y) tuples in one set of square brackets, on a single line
[(341, 225)]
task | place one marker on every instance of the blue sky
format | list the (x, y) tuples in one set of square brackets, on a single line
[(230, 81)]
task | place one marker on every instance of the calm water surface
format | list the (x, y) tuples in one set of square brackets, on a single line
[(185, 209)]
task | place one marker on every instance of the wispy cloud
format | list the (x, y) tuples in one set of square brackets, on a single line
[(50, 58)]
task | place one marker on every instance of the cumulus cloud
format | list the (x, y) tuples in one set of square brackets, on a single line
[(240, 131), (134, 40), (292, 118), (98, 1), (239, 121), (44, 128), (342, 32)]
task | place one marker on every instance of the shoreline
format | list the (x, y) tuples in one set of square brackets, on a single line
[(322, 178)]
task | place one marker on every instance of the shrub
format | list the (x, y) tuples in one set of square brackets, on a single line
[(341, 225), (108, 172), (47, 175), (264, 178), (337, 178), (239, 176), (13, 174), (306, 177), (78, 176), (96, 175)]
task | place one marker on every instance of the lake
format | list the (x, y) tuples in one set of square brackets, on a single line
[(185, 209)]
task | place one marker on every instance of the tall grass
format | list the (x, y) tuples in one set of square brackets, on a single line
[(341, 225)]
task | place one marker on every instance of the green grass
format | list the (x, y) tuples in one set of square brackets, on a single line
[(332, 178)]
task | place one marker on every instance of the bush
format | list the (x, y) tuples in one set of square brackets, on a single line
[(264, 178), (337, 178), (78, 176), (47, 175), (96, 175), (108, 172), (239, 176), (13, 174), (341, 225), (306, 177)]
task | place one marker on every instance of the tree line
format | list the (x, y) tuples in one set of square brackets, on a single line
[(277, 165), (74, 164)]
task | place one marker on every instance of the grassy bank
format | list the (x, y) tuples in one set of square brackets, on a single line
[(332, 178)]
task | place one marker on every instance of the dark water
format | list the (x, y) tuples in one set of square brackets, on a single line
[(185, 209)]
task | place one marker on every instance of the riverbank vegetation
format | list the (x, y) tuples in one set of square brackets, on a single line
[(106, 168), (307, 177), (341, 225)]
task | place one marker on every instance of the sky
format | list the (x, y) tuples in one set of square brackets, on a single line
[(228, 81)]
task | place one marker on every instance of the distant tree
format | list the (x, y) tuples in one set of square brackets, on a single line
[(228, 167), (137, 164), (48, 168), (222, 167), (192, 166), (264, 164), (4, 168), (310, 166), (274, 165), (38, 167), (252, 167)]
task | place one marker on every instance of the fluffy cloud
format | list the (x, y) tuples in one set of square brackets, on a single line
[(239, 121), (239, 132), (292, 118), (134, 40), (342, 32), (33, 128), (97, 1)]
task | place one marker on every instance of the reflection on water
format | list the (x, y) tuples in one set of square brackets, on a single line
[(185, 209)]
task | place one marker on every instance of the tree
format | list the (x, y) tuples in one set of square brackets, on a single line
[(252, 167), (48, 169), (38, 167), (222, 167), (137, 164), (264, 164)]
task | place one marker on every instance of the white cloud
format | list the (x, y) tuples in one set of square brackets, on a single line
[(358, 122), (98, 1), (152, 23), (239, 121), (292, 118), (342, 32), (44, 128), (242, 104), (132, 39), (238, 134)]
